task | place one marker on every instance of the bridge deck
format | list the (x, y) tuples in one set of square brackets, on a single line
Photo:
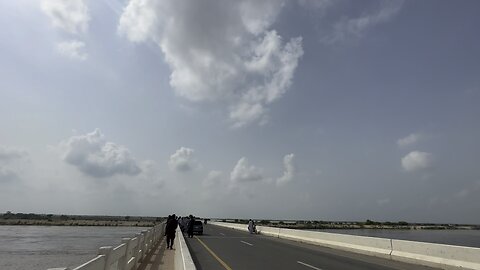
[(159, 258), (222, 248)]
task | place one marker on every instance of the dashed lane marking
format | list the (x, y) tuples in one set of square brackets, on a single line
[(222, 234), (213, 254), (246, 243), (308, 265)]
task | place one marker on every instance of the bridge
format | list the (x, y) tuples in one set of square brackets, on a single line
[(226, 246)]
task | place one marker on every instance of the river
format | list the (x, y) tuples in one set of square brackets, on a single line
[(469, 238), (43, 247)]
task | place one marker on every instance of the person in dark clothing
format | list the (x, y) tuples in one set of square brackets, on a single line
[(170, 228), (190, 226)]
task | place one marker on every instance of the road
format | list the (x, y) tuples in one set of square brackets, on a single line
[(225, 249)]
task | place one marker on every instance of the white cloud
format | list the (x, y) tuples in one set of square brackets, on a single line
[(289, 171), (71, 16), (357, 27), (182, 160), (416, 160), (73, 49), (243, 172), (219, 51), (96, 157), (409, 140)]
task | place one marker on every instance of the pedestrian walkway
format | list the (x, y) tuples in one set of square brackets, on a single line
[(159, 258)]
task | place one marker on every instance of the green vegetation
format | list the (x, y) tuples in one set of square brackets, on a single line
[(10, 218)]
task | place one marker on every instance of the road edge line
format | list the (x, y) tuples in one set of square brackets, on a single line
[(224, 264)]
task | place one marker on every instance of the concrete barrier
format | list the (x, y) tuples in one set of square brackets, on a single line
[(436, 255), (183, 259), (428, 254), (378, 247), (127, 255)]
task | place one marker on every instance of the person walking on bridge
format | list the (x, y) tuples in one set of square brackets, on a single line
[(251, 226), (170, 230), (190, 226)]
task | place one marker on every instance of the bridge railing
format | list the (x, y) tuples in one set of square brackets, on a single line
[(126, 256)]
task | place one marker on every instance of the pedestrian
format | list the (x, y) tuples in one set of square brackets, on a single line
[(170, 230), (190, 226), (251, 226)]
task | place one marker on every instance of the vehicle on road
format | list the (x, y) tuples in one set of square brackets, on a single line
[(198, 227)]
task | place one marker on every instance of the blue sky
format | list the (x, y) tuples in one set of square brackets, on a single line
[(330, 110)]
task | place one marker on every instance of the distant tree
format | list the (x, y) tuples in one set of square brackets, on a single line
[(264, 222), (371, 222), (127, 218)]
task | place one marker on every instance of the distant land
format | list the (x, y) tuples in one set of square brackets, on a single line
[(348, 225), (10, 218)]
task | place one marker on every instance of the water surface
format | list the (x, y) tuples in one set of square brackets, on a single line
[(43, 247)]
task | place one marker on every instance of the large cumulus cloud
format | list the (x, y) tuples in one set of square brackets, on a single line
[(71, 17), (182, 160), (96, 157), (244, 172), (219, 51), (289, 170)]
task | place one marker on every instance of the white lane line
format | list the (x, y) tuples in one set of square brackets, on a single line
[(308, 265), (246, 243), (222, 234)]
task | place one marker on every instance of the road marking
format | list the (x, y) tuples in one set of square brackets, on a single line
[(213, 254), (308, 265), (222, 234), (246, 243)]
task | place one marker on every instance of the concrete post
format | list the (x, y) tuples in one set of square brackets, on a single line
[(122, 263), (106, 251), (137, 248), (143, 246)]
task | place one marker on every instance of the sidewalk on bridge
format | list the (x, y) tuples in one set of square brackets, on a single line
[(159, 258)]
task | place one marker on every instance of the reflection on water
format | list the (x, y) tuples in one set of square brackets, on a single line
[(43, 247), (470, 238)]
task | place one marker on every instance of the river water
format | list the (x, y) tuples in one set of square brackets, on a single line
[(43, 247), (469, 238)]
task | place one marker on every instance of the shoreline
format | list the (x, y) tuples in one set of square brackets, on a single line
[(81, 223)]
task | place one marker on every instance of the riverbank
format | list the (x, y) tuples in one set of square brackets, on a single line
[(29, 222), (354, 225), (31, 219)]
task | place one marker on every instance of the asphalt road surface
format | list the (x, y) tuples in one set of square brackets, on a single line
[(221, 248)]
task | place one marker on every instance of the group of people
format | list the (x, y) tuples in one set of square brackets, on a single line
[(186, 224), (171, 226)]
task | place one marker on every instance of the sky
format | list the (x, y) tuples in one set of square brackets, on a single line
[(276, 109)]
